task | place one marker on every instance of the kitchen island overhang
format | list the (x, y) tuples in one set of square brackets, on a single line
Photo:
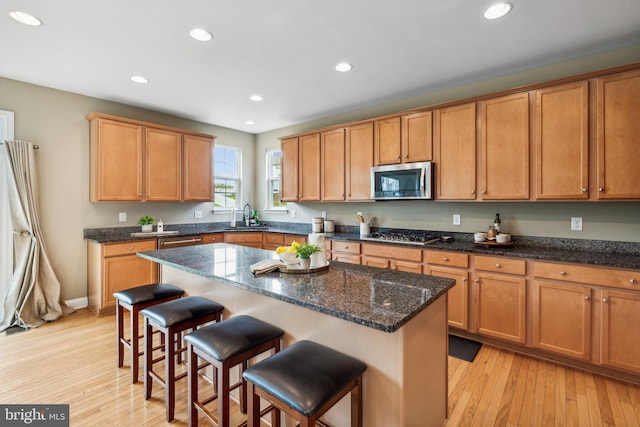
[(394, 322)]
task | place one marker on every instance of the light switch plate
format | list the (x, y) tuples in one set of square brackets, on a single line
[(576, 224), (197, 214), (292, 214), (122, 217), (456, 219)]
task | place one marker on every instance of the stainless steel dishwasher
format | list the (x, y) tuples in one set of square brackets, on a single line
[(176, 242)]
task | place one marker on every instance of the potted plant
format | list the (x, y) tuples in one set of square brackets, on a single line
[(146, 222), (304, 252)]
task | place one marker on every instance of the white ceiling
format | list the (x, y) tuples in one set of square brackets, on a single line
[(285, 50)]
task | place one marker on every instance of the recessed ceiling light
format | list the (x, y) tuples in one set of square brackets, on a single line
[(25, 18), (497, 10), (256, 98), (250, 122), (343, 67), (140, 79), (200, 34)]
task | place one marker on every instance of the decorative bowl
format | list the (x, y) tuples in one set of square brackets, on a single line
[(289, 258)]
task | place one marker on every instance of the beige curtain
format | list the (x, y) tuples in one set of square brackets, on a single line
[(32, 295)]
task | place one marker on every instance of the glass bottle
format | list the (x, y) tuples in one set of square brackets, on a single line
[(497, 223)]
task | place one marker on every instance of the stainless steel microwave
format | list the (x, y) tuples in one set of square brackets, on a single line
[(405, 181)]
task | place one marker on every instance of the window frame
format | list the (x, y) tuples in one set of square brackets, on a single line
[(237, 178), (269, 179)]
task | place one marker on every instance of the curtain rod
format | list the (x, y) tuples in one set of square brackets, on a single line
[(35, 147)]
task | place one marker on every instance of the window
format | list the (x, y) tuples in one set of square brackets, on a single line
[(274, 172), (227, 176)]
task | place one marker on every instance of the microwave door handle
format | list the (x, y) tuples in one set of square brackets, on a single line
[(423, 175)]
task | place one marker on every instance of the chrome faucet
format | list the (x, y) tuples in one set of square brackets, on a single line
[(246, 214)]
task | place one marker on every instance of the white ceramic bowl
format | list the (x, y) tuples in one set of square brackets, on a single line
[(480, 236), (289, 258), (502, 238)]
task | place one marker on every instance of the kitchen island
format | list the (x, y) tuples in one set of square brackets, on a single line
[(394, 322)]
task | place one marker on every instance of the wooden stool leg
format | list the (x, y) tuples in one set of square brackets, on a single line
[(148, 358), (243, 388), (120, 333), (135, 349), (356, 404), (223, 395), (170, 372), (253, 410), (192, 377)]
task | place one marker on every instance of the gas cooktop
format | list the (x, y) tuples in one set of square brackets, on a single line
[(417, 238)]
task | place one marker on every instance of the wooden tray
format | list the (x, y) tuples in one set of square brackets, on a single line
[(300, 270), (493, 243)]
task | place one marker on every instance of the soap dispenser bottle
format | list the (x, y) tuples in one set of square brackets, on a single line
[(160, 226)]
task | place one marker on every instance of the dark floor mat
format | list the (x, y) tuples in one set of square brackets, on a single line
[(463, 348)]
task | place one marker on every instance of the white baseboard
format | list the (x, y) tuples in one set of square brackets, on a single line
[(78, 303)]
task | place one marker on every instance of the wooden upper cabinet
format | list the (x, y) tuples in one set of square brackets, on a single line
[(116, 161), (505, 147), (387, 141), (562, 142), (289, 149), (163, 169), (359, 161), (618, 140), (309, 168), (333, 161), (138, 161), (417, 137), (197, 168), (455, 152)]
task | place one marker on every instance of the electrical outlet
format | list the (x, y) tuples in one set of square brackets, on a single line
[(292, 214), (122, 217), (576, 224), (197, 214), (359, 213), (324, 215), (456, 219)]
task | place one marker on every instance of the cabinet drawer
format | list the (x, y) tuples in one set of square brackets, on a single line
[(128, 248), (627, 279), (451, 259), (243, 237), (273, 239), (349, 247), (385, 251), (213, 238), (500, 265), (351, 259), (289, 238)]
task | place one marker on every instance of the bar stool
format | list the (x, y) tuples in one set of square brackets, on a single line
[(171, 319), (225, 345), (134, 300), (305, 380)]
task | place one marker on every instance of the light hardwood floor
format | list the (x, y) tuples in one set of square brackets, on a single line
[(73, 361)]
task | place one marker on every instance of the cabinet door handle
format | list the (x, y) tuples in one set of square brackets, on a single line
[(584, 190), (563, 273), (445, 259), (604, 300), (477, 280), (473, 191), (587, 297), (130, 248), (406, 156), (484, 191), (601, 189), (497, 265), (464, 279), (633, 281)]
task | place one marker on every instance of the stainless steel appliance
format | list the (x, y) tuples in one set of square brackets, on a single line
[(409, 237), (402, 182), (175, 242)]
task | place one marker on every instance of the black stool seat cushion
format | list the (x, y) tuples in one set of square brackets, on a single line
[(146, 293), (305, 375), (231, 337), (181, 310)]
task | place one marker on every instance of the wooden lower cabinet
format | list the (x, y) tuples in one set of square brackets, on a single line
[(619, 339), (500, 295), (562, 318), (401, 259), (345, 251), (245, 238), (212, 238), (457, 297), (272, 241), (113, 267)]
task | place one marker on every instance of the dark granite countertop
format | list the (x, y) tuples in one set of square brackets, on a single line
[(579, 251), (372, 297)]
